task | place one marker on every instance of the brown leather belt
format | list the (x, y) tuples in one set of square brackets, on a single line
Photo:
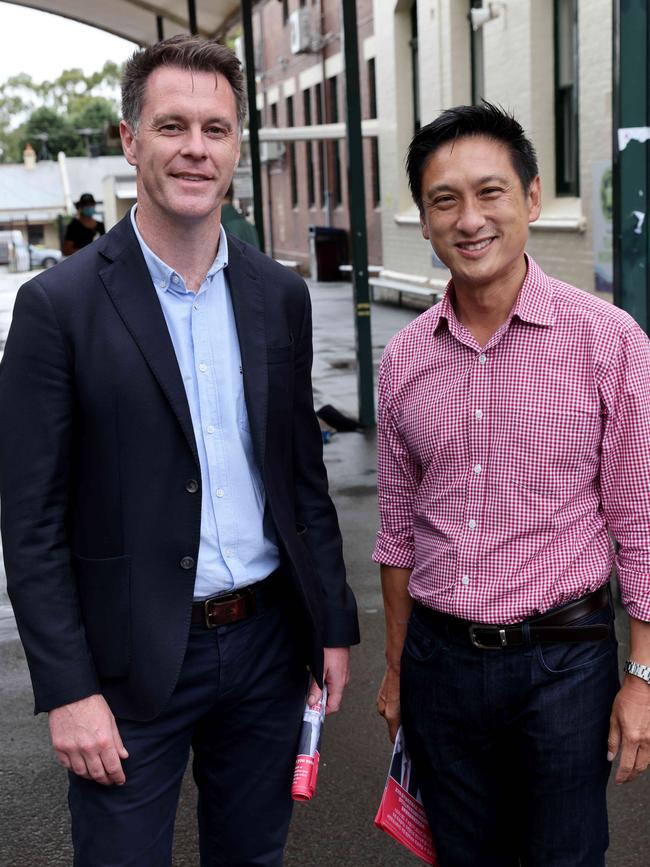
[(240, 604), (554, 627)]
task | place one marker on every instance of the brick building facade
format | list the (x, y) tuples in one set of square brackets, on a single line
[(301, 106)]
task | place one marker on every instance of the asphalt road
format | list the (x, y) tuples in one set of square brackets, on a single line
[(336, 828)]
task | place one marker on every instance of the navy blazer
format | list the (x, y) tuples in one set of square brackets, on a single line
[(98, 468)]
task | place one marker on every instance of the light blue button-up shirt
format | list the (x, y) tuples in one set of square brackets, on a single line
[(234, 550)]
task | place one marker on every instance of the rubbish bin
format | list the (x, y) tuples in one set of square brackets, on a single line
[(328, 250)]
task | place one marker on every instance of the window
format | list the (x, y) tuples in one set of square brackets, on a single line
[(291, 151), (372, 88), (274, 115), (374, 168), (336, 145), (322, 170), (285, 11), (476, 54), (309, 151), (567, 179), (415, 77)]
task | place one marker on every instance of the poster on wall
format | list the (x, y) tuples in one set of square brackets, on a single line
[(603, 234)]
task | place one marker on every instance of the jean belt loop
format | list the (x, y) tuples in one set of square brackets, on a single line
[(525, 628)]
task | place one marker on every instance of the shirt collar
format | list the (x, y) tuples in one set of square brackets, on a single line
[(534, 303), (162, 275)]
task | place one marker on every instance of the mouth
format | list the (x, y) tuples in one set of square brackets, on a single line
[(474, 248), (191, 177)]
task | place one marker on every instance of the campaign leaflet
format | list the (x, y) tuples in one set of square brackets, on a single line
[(306, 771), (401, 813)]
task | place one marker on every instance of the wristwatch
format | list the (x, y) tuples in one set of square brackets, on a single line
[(638, 670)]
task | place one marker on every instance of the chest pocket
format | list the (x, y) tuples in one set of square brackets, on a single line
[(552, 452)]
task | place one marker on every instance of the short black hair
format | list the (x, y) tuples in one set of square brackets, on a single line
[(486, 119)]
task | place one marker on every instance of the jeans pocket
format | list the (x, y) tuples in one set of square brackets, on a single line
[(561, 658), (421, 644)]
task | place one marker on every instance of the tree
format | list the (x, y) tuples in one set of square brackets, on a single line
[(71, 102)]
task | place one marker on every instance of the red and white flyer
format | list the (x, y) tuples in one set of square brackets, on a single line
[(401, 813), (308, 757)]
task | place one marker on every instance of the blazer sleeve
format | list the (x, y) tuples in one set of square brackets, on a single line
[(314, 506), (36, 441)]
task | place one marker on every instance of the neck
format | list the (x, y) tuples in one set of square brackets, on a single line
[(483, 308), (189, 247)]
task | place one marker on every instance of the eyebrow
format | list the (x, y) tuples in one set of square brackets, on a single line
[(449, 188)]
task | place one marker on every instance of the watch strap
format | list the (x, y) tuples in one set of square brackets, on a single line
[(638, 670)]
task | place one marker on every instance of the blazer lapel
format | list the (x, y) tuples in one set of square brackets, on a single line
[(250, 318), (127, 281)]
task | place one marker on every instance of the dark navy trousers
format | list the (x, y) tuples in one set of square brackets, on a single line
[(510, 746), (238, 704)]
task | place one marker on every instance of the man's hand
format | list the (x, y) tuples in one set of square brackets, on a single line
[(629, 729), (388, 701), (336, 674), (86, 740)]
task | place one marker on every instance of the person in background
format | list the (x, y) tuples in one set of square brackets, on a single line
[(84, 228), (513, 442), (236, 223)]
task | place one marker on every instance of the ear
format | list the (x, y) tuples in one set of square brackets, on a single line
[(534, 199), (424, 227), (128, 143)]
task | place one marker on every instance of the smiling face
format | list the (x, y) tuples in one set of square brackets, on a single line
[(186, 146), (475, 213)]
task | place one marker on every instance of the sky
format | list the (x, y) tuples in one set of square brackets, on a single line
[(41, 44)]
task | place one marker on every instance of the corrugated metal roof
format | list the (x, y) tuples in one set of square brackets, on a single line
[(24, 190)]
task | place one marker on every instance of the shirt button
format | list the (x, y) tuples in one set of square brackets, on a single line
[(478, 414), (472, 524), (228, 552), (477, 468), (175, 279), (465, 580), (203, 367), (220, 492), (482, 358), (187, 563), (162, 284), (191, 486), (210, 428)]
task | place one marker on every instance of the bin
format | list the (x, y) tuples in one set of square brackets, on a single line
[(328, 250)]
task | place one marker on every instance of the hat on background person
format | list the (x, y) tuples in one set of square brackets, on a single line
[(84, 200)]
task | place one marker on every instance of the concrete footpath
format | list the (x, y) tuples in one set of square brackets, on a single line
[(336, 828)]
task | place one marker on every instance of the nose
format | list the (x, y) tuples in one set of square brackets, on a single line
[(194, 143), (471, 218)]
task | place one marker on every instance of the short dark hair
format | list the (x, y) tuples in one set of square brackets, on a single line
[(185, 52), (486, 119)]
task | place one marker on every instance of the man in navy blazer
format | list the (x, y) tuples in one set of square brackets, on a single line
[(172, 553)]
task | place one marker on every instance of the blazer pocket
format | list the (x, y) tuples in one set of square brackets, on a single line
[(279, 354), (104, 588)]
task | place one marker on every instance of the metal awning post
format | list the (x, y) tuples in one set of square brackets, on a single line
[(191, 17), (631, 163), (253, 126), (357, 207), (160, 27)]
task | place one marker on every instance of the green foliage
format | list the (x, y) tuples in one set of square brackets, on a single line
[(58, 108)]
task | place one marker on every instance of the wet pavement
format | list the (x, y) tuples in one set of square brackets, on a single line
[(336, 828)]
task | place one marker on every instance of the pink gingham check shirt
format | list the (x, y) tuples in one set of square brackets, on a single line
[(501, 470)]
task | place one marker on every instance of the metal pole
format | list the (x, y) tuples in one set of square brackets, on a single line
[(631, 162), (160, 27), (191, 15), (357, 207), (253, 130)]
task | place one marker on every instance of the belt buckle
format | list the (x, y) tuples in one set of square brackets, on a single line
[(231, 607), (503, 639)]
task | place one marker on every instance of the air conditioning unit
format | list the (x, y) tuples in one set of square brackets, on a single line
[(300, 31), (271, 150)]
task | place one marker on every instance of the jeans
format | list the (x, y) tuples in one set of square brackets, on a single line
[(510, 746)]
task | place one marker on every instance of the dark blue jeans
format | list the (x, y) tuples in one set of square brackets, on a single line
[(510, 746), (238, 704)]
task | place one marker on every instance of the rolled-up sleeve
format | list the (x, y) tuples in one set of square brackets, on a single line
[(625, 467), (397, 481)]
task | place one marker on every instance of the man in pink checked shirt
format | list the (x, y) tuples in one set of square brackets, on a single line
[(514, 438)]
